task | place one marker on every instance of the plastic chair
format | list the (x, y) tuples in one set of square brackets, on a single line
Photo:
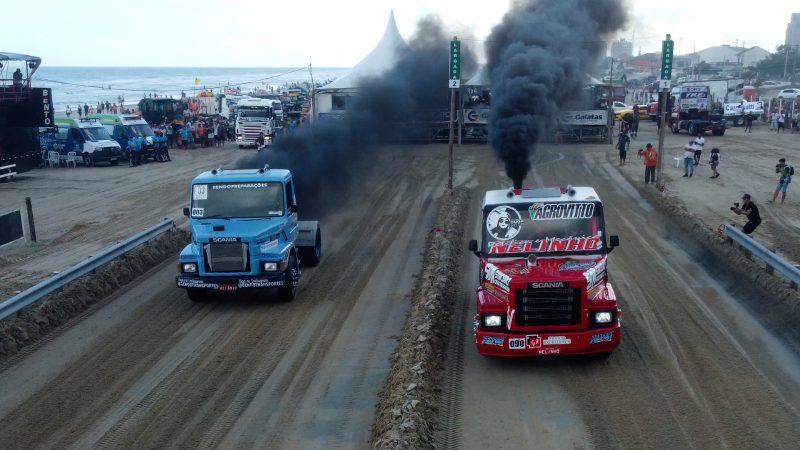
[(53, 159), (72, 158)]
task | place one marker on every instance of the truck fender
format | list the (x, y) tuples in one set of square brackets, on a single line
[(306, 233)]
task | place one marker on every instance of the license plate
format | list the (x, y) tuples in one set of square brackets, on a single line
[(517, 344), (228, 287)]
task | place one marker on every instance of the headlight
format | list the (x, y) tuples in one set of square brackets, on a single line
[(492, 320), (270, 266), (603, 317), (189, 267)]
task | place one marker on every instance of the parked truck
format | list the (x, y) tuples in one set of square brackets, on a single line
[(692, 111), (246, 235), (543, 287), (254, 116)]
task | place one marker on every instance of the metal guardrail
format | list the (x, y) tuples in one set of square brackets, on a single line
[(39, 291), (771, 259)]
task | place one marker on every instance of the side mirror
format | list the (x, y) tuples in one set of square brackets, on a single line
[(293, 209), (613, 242), (186, 212), (473, 247)]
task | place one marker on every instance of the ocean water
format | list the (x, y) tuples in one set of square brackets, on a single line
[(79, 85)]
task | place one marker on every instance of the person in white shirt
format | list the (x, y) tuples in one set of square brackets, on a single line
[(688, 159), (699, 142)]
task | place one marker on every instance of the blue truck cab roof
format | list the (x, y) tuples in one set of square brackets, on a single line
[(243, 175)]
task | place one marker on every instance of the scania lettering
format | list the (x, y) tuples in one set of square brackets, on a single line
[(246, 235), (544, 286)]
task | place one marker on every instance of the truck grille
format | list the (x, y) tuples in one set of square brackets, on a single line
[(227, 257), (557, 306), (251, 131)]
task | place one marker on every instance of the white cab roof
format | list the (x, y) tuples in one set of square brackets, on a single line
[(547, 194)]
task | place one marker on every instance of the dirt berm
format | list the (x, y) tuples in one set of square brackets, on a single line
[(408, 402), (34, 322)]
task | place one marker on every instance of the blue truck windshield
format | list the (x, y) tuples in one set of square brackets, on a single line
[(543, 228), (237, 200)]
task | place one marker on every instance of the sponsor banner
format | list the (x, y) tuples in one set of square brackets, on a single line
[(557, 340), (604, 337), (493, 275), (492, 340), (560, 211), (737, 109), (593, 117), (230, 285), (595, 275), (220, 186), (572, 244), (503, 222), (476, 116)]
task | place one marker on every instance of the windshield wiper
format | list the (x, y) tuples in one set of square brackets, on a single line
[(215, 216)]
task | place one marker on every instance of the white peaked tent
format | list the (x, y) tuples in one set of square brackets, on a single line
[(333, 97)]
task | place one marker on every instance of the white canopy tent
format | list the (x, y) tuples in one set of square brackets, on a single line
[(333, 97)]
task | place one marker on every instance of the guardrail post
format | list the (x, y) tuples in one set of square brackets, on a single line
[(31, 227)]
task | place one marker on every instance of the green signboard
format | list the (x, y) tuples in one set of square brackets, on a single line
[(666, 59), (455, 64)]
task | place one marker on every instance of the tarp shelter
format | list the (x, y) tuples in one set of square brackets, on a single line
[(332, 98)]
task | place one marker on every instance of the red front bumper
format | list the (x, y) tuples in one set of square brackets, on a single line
[(532, 344)]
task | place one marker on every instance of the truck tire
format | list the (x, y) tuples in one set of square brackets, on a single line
[(197, 295), (310, 256), (291, 279)]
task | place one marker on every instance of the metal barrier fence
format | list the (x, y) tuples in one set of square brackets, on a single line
[(39, 291), (771, 259)]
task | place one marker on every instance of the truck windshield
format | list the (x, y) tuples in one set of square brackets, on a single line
[(237, 200), (140, 130), (95, 134), (254, 113), (543, 228)]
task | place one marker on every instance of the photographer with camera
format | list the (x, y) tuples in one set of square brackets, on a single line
[(786, 172), (749, 209)]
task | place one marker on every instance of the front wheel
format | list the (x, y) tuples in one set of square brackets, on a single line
[(310, 256), (291, 279)]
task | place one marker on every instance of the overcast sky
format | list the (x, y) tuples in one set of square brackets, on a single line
[(330, 33)]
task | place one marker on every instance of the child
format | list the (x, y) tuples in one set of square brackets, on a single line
[(713, 161)]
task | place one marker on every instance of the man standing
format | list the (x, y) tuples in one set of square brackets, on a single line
[(748, 122), (85, 109), (635, 123), (622, 145), (688, 159), (713, 161), (751, 211), (80, 111), (786, 172), (781, 121), (699, 142), (650, 156)]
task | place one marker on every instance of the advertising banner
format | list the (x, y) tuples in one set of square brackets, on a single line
[(592, 117)]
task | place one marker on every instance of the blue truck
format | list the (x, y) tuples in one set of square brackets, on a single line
[(246, 235)]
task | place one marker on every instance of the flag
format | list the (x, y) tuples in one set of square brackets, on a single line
[(196, 81)]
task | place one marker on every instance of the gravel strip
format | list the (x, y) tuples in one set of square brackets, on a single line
[(410, 398)]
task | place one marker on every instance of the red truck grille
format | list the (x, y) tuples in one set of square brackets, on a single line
[(227, 257), (557, 306)]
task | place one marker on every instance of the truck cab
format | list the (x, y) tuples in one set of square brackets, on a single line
[(123, 127), (246, 235), (692, 111), (253, 117), (543, 287), (86, 137)]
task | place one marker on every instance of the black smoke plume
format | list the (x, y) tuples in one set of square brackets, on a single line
[(538, 60), (328, 157)]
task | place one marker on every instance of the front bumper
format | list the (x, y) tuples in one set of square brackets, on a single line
[(230, 284), (532, 344), (106, 154)]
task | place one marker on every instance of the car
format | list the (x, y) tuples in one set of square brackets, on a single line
[(774, 83), (617, 106), (619, 114), (791, 93)]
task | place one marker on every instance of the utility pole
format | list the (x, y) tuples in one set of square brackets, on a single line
[(454, 84), (667, 46)]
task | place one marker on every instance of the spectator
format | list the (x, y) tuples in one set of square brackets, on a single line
[(170, 132), (773, 124), (751, 211), (85, 109), (688, 159), (635, 123), (786, 172), (781, 122), (17, 77), (69, 111), (713, 161), (699, 143), (622, 145), (80, 111), (748, 122), (650, 156)]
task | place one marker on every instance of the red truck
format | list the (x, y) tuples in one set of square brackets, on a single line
[(544, 286)]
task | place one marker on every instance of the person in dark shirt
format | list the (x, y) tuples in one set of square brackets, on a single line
[(750, 210)]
